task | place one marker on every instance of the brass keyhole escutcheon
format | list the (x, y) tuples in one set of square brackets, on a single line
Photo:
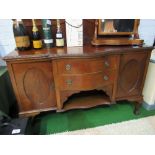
[(106, 63), (69, 82), (68, 67), (106, 77)]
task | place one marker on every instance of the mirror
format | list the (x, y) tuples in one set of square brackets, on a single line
[(117, 26), (116, 32)]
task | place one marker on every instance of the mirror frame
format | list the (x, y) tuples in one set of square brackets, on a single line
[(135, 29)]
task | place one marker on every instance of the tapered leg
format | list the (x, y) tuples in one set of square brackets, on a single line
[(138, 105)]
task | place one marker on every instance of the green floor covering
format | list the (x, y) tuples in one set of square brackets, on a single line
[(52, 122)]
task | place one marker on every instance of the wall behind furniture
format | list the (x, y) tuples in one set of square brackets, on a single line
[(147, 31), (7, 42)]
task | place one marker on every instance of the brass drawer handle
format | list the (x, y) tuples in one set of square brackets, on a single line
[(106, 77), (69, 82), (106, 63), (68, 67)]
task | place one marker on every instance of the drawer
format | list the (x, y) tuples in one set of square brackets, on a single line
[(86, 81), (80, 66)]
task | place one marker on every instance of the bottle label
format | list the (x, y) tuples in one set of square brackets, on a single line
[(59, 35), (22, 41), (37, 43), (47, 33), (46, 28), (48, 22), (59, 42), (48, 41)]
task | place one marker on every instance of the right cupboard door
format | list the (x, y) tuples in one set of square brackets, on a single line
[(131, 74)]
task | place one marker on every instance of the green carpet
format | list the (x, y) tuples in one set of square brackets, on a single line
[(52, 122)]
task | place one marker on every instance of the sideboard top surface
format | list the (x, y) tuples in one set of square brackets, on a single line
[(73, 52)]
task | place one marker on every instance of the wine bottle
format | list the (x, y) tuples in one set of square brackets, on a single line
[(21, 36), (36, 39), (48, 40), (59, 35)]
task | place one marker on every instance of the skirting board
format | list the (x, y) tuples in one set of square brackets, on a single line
[(148, 107)]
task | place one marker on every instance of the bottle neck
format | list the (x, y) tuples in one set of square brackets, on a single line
[(18, 21), (58, 26), (34, 29)]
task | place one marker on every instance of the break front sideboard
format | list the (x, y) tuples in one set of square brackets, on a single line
[(77, 77)]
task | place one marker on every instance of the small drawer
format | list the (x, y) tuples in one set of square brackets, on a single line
[(83, 66), (86, 81)]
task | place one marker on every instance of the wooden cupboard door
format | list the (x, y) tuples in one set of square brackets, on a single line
[(35, 85), (131, 74)]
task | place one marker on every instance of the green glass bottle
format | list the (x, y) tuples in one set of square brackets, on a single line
[(47, 32), (21, 35)]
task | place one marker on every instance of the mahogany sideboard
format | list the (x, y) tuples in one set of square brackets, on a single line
[(57, 78)]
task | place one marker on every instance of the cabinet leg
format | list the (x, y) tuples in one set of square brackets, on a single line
[(137, 107)]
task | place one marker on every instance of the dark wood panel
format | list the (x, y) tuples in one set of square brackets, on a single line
[(28, 24), (88, 31), (88, 28)]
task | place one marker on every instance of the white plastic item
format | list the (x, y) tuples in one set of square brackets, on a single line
[(149, 87), (153, 55), (74, 32)]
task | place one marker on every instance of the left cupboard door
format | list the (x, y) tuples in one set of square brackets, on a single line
[(35, 86)]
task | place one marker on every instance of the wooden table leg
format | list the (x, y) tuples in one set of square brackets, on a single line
[(138, 105)]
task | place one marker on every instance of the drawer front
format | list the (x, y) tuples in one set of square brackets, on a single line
[(86, 81), (80, 66)]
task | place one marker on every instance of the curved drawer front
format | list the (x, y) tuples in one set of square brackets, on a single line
[(86, 81), (80, 66)]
